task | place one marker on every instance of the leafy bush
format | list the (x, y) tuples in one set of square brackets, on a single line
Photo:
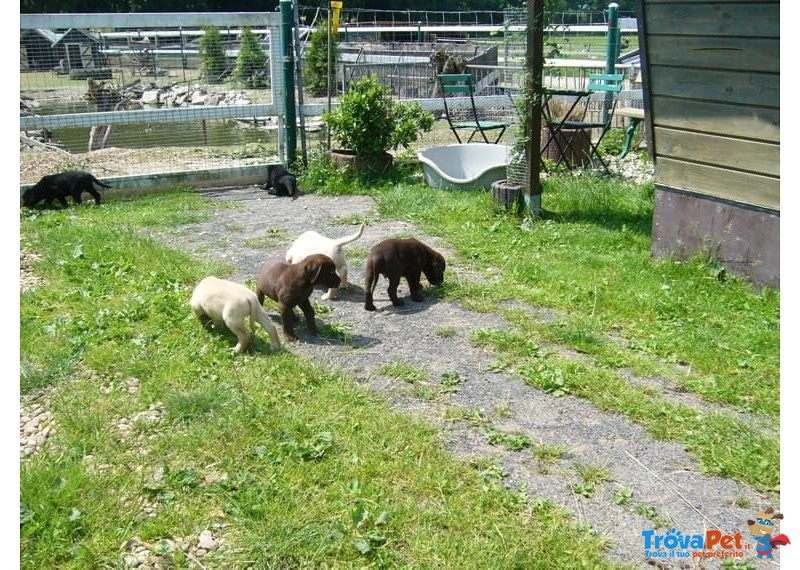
[(369, 122), (251, 62)]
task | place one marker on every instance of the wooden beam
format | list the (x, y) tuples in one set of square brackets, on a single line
[(533, 127)]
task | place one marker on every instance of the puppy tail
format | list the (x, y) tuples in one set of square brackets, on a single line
[(371, 280), (96, 181), (260, 316), (353, 237)]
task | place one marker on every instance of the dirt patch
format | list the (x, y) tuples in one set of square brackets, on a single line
[(27, 278), (462, 382)]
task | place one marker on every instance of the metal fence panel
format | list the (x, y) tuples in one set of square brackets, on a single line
[(123, 94)]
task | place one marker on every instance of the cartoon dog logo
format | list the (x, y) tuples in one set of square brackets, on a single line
[(762, 529)]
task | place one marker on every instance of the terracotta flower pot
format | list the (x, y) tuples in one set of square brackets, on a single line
[(577, 153)]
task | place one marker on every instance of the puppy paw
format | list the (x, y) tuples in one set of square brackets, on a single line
[(398, 303), (370, 307)]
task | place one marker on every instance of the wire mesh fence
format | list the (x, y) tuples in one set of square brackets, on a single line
[(146, 94), (131, 94)]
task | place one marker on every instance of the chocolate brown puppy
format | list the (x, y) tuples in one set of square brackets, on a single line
[(291, 286), (396, 258)]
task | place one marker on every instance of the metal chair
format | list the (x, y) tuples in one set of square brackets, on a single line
[(455, 87), (610, 85)]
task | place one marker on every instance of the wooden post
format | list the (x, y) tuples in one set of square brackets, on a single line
[(535, 63)]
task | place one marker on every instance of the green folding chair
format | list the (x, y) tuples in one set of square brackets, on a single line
[(610, 85), (455, 89)]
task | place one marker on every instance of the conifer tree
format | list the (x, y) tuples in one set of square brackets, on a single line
[(316, 71), (212, 54), (251, 61)]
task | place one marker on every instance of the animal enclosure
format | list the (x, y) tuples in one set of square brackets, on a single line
[(144, 97)]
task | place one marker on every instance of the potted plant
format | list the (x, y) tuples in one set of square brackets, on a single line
[(368, 123)]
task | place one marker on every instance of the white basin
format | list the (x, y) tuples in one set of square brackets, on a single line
[(463, 166)]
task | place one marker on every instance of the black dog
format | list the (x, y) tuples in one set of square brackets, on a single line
[(59, 186), (280, 182)]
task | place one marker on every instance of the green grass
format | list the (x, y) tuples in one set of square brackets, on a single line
[(589, 260), (591, 477), (547, 455), (300, 466), (306, 468), (401, 370)]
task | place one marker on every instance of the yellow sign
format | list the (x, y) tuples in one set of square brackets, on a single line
[(336, 6)]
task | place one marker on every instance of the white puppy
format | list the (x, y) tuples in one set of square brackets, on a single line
[(219, 300), (310, 243)]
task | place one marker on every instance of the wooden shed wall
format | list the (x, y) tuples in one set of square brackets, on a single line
[(712, 100), (714, 91)]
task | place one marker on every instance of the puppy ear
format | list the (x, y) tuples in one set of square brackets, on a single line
[(313, 270), (777, 516)]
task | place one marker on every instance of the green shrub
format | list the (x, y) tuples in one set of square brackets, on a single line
[(316, 71), (369, 122)]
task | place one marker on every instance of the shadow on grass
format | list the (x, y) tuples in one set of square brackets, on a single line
[(604, 202)]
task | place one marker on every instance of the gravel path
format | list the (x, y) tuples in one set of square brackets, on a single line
[(660, 474)]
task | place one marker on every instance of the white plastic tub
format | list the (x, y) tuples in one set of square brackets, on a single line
[(463, 166)]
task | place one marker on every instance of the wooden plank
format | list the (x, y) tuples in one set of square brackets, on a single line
[(742, 187), (751, 20), (747, 88), (733, 54), (632, 112), (725, 152), (758, 123)]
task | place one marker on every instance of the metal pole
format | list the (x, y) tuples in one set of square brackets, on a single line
[(299, 72), (288, 81), (612, 50), (328, 70)]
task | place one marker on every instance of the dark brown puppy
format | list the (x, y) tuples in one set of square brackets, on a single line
[(291, 286), (396, 258)]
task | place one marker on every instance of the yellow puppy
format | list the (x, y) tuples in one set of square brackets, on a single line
[(219, 300)]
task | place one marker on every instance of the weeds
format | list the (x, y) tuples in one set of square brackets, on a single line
[(402, 370), (591, 477), (547, 456), (270, 441)]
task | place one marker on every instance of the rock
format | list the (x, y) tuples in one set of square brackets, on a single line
[(151, 97), (206, 541)]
